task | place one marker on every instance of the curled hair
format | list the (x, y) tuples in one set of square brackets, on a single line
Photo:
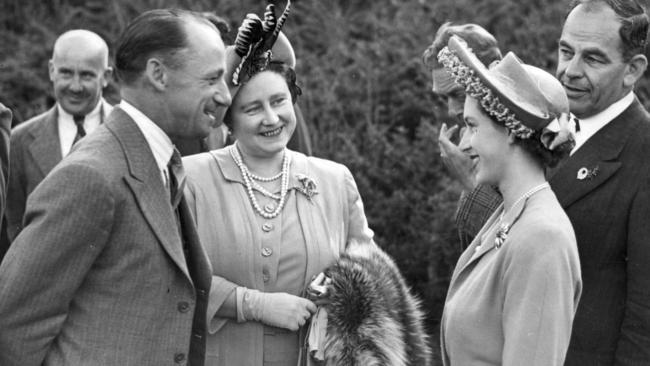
[(287, 73), (157, 32), (634, 23), (482, 43), (548, 158)]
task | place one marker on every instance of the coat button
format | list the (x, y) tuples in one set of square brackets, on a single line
[(267, 226), (183, 307), (179, 357), (266, 251), (269, 207), (265, 275)]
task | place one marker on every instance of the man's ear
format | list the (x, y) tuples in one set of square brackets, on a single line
[(636, 66), (108, 74), (51, 69), (156, 73)]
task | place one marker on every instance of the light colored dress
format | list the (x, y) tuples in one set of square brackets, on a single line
[(513, 303), (272, 255)]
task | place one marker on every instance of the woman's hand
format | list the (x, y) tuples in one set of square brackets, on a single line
[(277, 309)]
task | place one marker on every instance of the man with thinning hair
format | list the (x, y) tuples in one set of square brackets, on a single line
[(79, 71), (604, 186), (477, 202), (108, 269)]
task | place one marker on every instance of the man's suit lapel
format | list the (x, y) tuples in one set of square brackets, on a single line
[(147, 186), (599, 154), (45, 148)]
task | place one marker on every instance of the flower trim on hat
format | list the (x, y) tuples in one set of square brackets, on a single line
[(475, 88)]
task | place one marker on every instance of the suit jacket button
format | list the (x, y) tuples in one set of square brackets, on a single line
[(183, 307), (179, 357), (266, 252)]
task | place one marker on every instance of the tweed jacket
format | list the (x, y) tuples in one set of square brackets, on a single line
[(513, 304), (330, 220), (474, 209), (610, 213), (98, 275), (35, 150)]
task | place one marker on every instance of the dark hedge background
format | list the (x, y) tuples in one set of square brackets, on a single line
[(366, 96)]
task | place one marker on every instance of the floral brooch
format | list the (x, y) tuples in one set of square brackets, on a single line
[(502, 235), (307, 186), (584, 173)]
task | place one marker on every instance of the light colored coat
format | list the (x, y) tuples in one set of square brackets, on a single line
[(98, 275), (227, 226), (514, 305)]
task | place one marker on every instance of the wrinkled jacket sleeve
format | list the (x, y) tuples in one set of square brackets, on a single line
[(358, 230), (67, 226), (634, 344)]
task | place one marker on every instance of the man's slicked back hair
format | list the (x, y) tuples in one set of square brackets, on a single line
[(634, 23), (159, 33)]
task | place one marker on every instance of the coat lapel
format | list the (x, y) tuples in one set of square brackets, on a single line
[(45, 148), (599, 154), (147, 186)]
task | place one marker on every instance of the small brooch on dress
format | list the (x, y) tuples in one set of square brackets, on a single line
[(502, 235), (308, 186)]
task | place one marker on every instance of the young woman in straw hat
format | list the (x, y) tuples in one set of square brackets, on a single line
[(515, 289)]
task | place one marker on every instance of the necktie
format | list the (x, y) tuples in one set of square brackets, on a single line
[(81, 132), (176, 178), (577, 123)]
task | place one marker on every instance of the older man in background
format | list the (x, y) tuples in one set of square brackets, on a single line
[(79, 71)]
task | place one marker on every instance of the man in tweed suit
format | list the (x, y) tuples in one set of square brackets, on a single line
[(477, 202), (108, 269)]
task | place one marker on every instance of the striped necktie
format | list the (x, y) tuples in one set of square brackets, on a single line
[(81, 132), (176, 178)]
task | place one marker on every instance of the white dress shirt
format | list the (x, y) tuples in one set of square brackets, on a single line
[(68, 129), (590, 125), (160, 144)]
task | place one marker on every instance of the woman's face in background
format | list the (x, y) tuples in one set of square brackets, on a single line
[(486, 144), (262, 115)]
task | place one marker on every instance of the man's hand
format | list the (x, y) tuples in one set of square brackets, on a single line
[(456, 161)]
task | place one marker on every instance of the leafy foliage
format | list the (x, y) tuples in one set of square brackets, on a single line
[(366, 96)]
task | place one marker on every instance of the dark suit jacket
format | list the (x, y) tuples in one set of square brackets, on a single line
[(98, 275), (610, 214), (5, 132), (35, 150)]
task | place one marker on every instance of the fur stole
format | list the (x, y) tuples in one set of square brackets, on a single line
[(372, 318)]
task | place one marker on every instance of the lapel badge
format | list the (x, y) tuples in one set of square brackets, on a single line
[(585, 173)]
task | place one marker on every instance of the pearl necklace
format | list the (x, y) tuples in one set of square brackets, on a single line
[(504, 228), (265, 179), (527, 195), (249, 182)]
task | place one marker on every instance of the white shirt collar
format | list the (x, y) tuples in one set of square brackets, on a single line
[(590, 125), (68, 129), (160, 144)]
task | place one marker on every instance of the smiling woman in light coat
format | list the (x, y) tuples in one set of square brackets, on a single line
[(515, 289), (270, 218)]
